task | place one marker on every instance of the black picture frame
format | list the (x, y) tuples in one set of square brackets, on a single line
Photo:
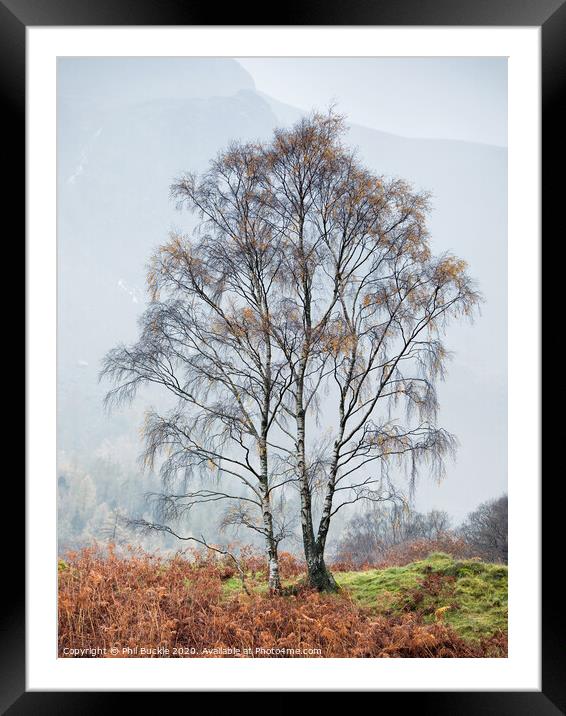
[(550, 15)]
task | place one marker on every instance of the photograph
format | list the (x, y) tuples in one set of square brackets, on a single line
[(282, 362)]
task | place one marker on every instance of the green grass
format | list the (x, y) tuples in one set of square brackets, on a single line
[(476, 599), (476, 594), (233, 586)]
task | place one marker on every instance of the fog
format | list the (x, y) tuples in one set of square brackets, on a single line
[(127, 127)]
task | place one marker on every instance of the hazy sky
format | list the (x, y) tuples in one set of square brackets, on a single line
[(447, 98)]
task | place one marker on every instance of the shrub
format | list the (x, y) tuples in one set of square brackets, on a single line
[(178, 605)]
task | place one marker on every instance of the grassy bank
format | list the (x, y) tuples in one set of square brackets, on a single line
[(468, 595)]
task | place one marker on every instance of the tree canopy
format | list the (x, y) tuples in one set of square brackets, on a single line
[(308, 293)]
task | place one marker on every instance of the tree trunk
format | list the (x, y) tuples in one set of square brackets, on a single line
[(318, 575), (274, 579)]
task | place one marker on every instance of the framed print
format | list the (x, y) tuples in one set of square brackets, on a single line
[(283, 315)]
